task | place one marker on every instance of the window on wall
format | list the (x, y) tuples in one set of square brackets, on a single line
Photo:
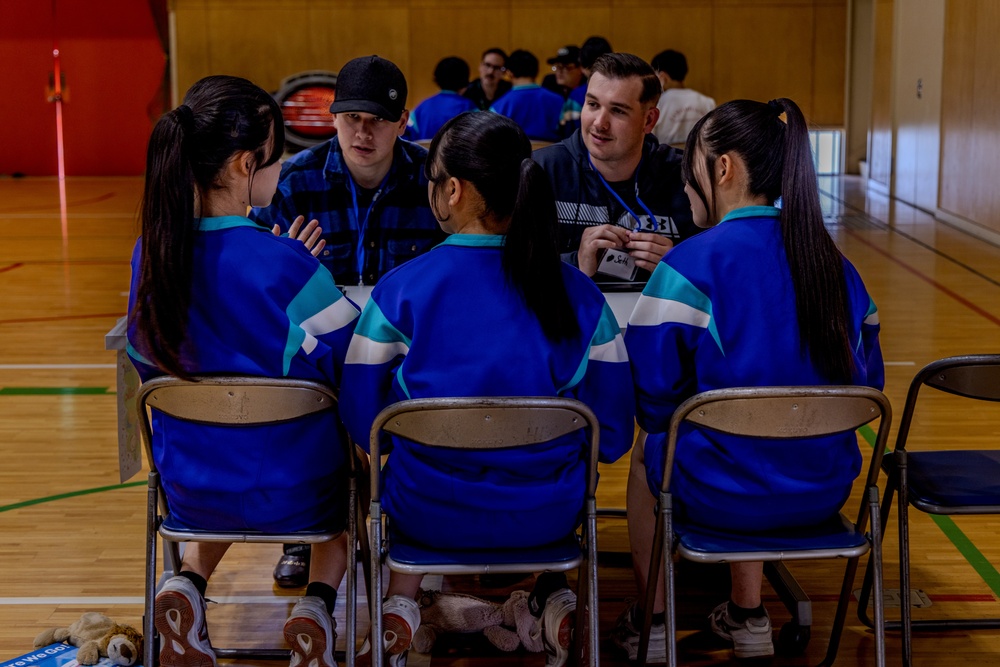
[(827, 150)]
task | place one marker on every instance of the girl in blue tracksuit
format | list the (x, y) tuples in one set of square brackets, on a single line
[(761, 298), (489, 312), (214, 293)]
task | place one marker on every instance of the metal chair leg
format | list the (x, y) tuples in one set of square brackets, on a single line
[(652, 581)]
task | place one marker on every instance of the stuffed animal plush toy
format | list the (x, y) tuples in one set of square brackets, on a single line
[(506, 626), (97, 636)]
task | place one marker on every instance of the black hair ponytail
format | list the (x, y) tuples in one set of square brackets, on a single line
[(188, 148), (493, 153), (773, 141)]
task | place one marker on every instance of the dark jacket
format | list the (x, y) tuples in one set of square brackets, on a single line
[(583, 201)]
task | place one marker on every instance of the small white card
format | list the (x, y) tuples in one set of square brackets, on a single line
[(617, 263)]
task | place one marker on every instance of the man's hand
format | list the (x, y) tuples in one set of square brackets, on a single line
[(647, 248), (598, 238), (309, 235)]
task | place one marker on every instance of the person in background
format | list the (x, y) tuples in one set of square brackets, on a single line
[(566, 72), (535, 109), (763, 297), (491, 84), (680, 107), (492, 311), (452, 76), (215, 293), (365, 194), (618, 189), (591, 50)]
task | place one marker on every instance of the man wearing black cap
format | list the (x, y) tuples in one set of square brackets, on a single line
[(367, 190), (366, 186), (566, 73)]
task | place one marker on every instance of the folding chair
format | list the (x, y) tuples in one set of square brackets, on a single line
[(940, 481), (488, 423), (234, 400), (774, 413)]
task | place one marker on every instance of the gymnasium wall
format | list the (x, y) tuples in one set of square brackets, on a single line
[(113, 63), (970, 123), (758, 49)]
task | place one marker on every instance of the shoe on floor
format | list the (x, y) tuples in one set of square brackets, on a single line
[(557, 626), (292, 569), (179, 617), (751, 639), (400, 619), (311, 633), (625, 636)]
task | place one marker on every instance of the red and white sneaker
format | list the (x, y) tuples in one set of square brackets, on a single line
[(400, 620), (179, 617), (557, 626), (311, 633)]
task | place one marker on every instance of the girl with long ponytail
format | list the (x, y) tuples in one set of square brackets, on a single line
[(214, 293), (761, 298), (492, 311)]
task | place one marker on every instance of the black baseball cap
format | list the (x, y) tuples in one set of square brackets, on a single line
[(373, 85), (566, 55)]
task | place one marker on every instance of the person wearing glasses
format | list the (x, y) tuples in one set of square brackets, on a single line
[(566, 72), (491, 84)]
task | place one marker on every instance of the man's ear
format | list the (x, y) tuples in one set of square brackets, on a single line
[(652, 115), (403, 120)]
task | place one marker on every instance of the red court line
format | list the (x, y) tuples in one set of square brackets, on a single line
[(927, 279), (11, 267), (57, 318)]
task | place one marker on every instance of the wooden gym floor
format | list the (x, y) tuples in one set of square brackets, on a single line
[(72, 537)]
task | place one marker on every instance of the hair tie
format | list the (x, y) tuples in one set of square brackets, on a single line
[(779, 111), (185, 116)]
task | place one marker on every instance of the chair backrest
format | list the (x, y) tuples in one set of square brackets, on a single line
[(485, 423), (231, 401), (975, 376), (784, 412)]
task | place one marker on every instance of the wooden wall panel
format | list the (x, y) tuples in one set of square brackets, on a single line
[(970, 128), (747, 48), (749, 64), (880, 137)]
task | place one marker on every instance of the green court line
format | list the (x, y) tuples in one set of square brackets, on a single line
[(973, 555), (71, 494), (55, 391)]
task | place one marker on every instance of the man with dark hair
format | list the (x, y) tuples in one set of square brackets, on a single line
[(491, 84), (680, 107), (619, 193), (591, 50), (452, 76), (365, 189), (535, 109)]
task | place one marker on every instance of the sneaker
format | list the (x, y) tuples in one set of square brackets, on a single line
[(179, 617), (557, 626), (626, 637), (751, 639), (311, 633), (400, 619)]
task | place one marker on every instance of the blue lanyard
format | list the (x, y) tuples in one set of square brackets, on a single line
[(362, 223), (638, 222)]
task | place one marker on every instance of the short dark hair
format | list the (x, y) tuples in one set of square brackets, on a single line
[(592, 49), (672, 63), (452, 73), (497, 50), (626, 66), (523, 63)]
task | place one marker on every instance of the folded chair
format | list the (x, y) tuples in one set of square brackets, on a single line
[(488, 423), (232, 401), (774, 413), (941, 481)]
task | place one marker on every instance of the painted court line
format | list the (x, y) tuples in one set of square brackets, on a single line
[(960, 540), (101, 601)]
